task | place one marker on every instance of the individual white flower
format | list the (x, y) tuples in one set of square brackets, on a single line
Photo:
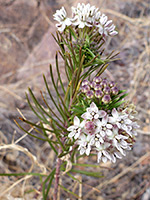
[(103, 153), (84, 144), (79, 8), (122, 121), (130, 128), (80, 15), (115, 118), (121, 145), (106, 27), (93, 112), (92, 10), (135, 126), (103, 127), (118, 154), (92, 14), (103, 19), (97, 17), (125, 123), (76, 129), (115, 134), (96, 140), (61, 17), (118, 141)]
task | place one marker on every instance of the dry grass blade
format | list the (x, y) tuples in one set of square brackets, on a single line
[(118, 176), (34, 162)]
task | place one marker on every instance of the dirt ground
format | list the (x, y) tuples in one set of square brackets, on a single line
[(26, 50)]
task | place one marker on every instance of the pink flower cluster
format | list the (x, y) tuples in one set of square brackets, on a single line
[(99, 88), (107, 135)]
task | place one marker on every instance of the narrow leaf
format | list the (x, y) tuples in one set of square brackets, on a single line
[(50, 95), (28, 132), (94, 174), (69, 191), (58, 72), (22, 174), (44, 183)]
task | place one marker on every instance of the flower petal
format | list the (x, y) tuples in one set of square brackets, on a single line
[(104, 159), (105, 120), (70, 128), (76, 121), (109, 132), (94, 107), (77, 135), (86, 115), (111, 120), (115, 113), (99, 155), (82, 151), (102, 113), (70, 135)]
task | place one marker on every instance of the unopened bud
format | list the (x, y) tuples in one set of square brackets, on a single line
[(89, 125), (90, 94), (85, 88), (104, 83), (97, 79), (98, 94), (93, 84), (85, 82), (112, 83), (97, 87), (106, 90), (114, 90), (106, 99)]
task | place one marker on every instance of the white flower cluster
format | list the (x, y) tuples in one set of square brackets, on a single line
[(109, 135), (85, 16)]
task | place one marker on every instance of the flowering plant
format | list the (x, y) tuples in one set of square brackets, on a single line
[(92, 117)]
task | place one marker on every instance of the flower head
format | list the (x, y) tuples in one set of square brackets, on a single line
[(109, 134), (85, 15)]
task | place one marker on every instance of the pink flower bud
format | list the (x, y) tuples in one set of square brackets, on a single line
[(90, 94), (85, 82), (104, 83), (112, 83), (106, 90), (97, 79), (85, 88), (93, 84), (89, 126), (106, 99), (114, 90), (97, 87), (98, 93)]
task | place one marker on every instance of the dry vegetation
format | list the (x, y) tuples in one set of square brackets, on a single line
[(26, 49)]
